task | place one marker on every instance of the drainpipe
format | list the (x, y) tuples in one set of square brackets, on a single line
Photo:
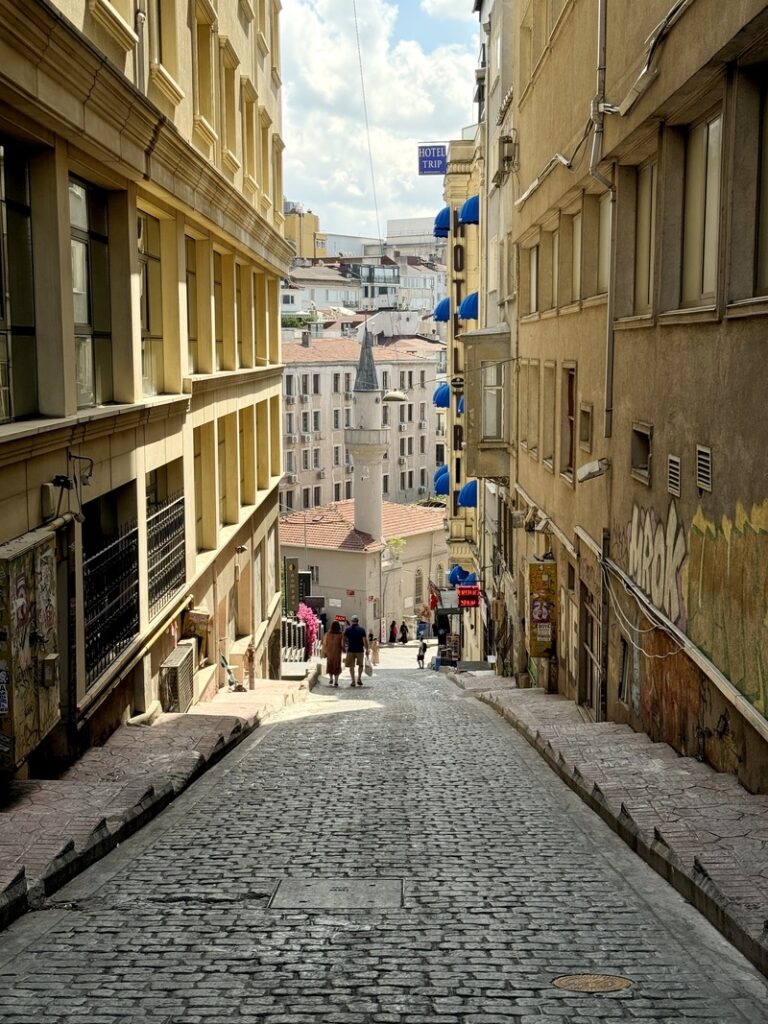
[(599, 108)]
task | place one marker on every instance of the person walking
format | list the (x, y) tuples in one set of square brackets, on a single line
[(393, 632), (375, 646), (403, 633), (422, 652), (356, 646), (333, 643)]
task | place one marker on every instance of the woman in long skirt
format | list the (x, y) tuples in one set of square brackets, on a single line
[(332, 645)]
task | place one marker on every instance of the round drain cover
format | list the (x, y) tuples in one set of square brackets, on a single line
[(592, 982)]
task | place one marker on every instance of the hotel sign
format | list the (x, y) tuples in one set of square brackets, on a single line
[(433, 158), (468, 597)]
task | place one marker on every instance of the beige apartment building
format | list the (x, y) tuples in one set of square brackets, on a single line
[(641, 481), (140, 364)]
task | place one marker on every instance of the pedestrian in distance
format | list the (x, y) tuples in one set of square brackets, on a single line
[(403, 633), (333, 643), (393, 632), (422, 652), (356, 646), (373, 643)]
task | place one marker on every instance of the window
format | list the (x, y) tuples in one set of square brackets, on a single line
[(702, 212), (347, 381), (18, 365), (316, 422), (288, 500), (265, 155), (418, 590), (163, 61), (305, 383), (645, 237), (289, 423), (249, 100), (315, 383), (305, 497), (423, 477), (422, 378), (548, 417), (289, 384), (523, 404), (316, 458), (337, 419), (314, 573), (703, 468), (348, 489), (533, 407), (385, 380), (203, 60), (410, 479), (402, 380), (674, 475), (555, 244), (385, 483), (221, 466), (289, 461), (422, 445), (410, 380), (493, 401), (337, 492), (533, 279), (337, 455), (585, 427), (190, 251), (410, 413), (305, 458), (402, 446), (605, 215), (305, 423), (385, 415), (336, 383), (402, 481), (229, 89), (567, 421), (218, 309), (347, 417), (90, 288), (410, 446), (316, 497), (152, 370), (641, 452), (576, 257), (423, 411), (239, 315)]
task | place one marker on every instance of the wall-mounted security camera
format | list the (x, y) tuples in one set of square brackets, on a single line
[(590, 470)]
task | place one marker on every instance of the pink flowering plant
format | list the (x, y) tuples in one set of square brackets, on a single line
[(307, 616)]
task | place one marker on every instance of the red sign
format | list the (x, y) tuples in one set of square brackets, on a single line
[(468, 597)]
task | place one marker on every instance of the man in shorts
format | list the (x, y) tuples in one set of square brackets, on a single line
[(356, 646)]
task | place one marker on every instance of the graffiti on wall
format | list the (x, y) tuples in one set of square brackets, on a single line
[(656, 554), (728, 597)]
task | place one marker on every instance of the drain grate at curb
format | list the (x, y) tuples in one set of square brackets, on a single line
[(592, 982), (338, 894)]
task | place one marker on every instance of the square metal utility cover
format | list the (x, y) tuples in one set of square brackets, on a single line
[(338, 894)]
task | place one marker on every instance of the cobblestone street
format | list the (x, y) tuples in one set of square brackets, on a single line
[(496, 881)]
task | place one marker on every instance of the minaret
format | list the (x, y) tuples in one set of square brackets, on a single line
[(366, 444)]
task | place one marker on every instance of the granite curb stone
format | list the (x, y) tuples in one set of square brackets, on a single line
[(52, 829), (658, 802)]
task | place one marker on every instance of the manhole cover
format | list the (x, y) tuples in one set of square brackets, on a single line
[(592, 982), (338, 894)]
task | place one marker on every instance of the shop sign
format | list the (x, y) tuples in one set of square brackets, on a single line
[(433, 158), (468, 597)]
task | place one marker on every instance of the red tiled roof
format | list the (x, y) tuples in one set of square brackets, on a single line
[(333, 526)]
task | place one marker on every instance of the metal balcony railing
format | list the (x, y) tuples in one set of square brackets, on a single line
[(111, 601), (166, 568)]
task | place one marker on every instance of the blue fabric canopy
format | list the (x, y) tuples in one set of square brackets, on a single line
[(457, 575), (460, 406), (468, 307), (442, 223), (442, 396), (470, 211), (442, 311), (440, 471), (443, 484), (472, 578), (468, 495)]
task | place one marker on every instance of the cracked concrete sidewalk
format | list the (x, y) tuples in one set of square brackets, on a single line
[(51, 829), (699, 828)]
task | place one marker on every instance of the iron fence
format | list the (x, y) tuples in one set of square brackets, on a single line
[(111, 599), (166, 556)]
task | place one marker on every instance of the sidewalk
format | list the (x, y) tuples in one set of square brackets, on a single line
[(700, 829), (52, 829)]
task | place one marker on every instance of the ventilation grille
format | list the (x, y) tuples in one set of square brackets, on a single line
[(703, 468), (673, 475)]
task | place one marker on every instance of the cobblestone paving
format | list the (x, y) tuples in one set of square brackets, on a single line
[(508, 883)]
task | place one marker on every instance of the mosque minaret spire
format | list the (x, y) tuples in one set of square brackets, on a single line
[(366, 442)]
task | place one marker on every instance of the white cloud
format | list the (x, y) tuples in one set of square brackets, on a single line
[(412, 96), (459, 9)]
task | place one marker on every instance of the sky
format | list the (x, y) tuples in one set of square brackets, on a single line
[(419, 59)]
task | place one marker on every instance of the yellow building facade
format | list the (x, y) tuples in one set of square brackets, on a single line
[(140, 364)]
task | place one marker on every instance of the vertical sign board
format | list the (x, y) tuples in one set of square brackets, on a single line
[(433, 158), (541, 608), (291, 585), (305, 585)]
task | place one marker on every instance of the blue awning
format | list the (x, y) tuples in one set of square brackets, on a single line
[(442, 396), (443, 484), (472, 578), (468, 495), (470, 211), (457, 575), (440, 471), (468, 307), (442, 223), (460, 406), (442, 311)]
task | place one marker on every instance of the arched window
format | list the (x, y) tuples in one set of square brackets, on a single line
[(418, 591), (440, 576)]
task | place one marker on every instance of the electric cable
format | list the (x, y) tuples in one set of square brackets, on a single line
[(367, 128)]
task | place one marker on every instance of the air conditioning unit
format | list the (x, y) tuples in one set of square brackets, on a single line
[(290, 399), (422, 424), (290, 439), (305, 439), (348, 396), (303, 399), (293, 478), (192, 644), (349, 468), (401, 460), (403, 427), (177, 679), (321, 474), (422, 490)]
